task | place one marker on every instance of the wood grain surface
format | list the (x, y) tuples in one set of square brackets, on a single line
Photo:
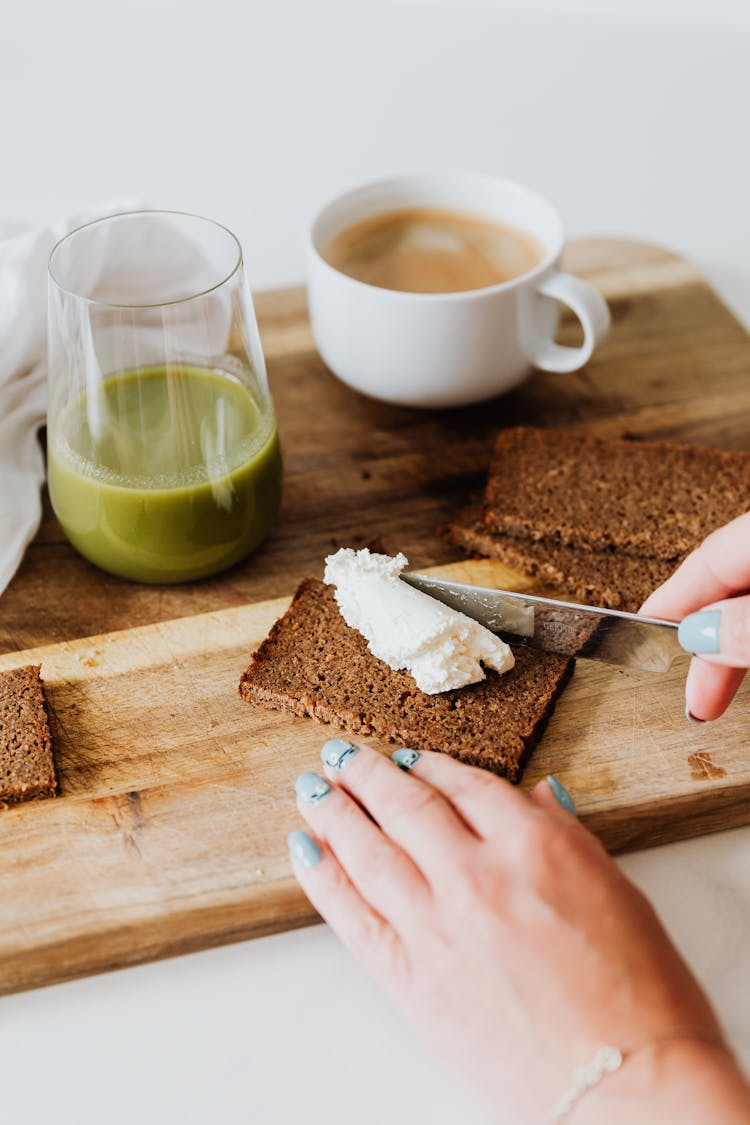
[(176, 795)]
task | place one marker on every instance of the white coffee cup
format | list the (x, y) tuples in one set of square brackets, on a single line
[(448, 349)]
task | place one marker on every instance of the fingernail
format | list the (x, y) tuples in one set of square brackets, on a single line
[(562, 795), (303, 848), (312, 788), (405, 758), (699, 632), (337, 753), (689, 715)]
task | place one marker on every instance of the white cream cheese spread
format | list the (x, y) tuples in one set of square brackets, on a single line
[(442, 648)]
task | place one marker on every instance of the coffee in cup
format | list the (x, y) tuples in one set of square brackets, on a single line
[(432, 250)]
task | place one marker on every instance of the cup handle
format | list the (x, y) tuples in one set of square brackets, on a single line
[(590, 308)]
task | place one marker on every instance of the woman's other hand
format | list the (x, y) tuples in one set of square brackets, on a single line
[(708, 595), (506, 934)]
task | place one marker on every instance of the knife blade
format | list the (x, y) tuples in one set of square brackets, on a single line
[(609, 635)]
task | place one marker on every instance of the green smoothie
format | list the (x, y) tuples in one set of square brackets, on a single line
[(165, 474)]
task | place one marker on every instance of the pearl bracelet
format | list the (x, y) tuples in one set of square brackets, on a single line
[(609, 1059)]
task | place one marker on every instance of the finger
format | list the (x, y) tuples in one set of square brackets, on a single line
[(710, 688), (484, 801), (551, 794), (552, 797), (382, 873), (326, 884), (716, 569), (555, 800), (719, 633), (411, 813)]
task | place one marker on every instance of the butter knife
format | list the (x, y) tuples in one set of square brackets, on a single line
[(609, 635)]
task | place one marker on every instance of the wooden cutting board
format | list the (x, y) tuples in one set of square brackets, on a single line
[(177, 796)]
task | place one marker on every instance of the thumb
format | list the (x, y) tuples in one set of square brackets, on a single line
[(719, 633)]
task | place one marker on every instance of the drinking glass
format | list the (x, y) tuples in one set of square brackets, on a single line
[(163, 456)]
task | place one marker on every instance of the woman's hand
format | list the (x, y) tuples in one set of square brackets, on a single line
[(711, 581), (511, 941)]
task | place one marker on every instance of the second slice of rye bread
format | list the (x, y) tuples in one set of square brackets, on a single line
[(650, 499), (312, 663), (597, 577)]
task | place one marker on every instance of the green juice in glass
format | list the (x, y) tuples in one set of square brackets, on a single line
[(165, 474)]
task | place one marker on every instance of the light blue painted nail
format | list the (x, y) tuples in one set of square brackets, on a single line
[(303, 848), (691, 717), (699, 632), (338, 753), (312, 788), (405, 758), (562, 796)]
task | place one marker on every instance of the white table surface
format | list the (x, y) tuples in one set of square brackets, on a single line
[(632, 116)]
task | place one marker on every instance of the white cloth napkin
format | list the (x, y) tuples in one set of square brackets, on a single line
[(23, 370)]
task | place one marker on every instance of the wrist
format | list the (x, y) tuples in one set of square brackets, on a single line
[(687, 1080)]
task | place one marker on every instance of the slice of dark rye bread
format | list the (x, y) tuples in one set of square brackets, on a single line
[(648, 499), (27, 768), (312, 663), (597, 577)]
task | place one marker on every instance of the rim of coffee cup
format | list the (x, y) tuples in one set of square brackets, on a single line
[(320, 232)]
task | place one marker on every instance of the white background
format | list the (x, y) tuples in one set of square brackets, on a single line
[(632, 116)]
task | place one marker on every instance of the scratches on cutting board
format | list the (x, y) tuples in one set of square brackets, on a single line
[(127, 814), (703, 768)]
